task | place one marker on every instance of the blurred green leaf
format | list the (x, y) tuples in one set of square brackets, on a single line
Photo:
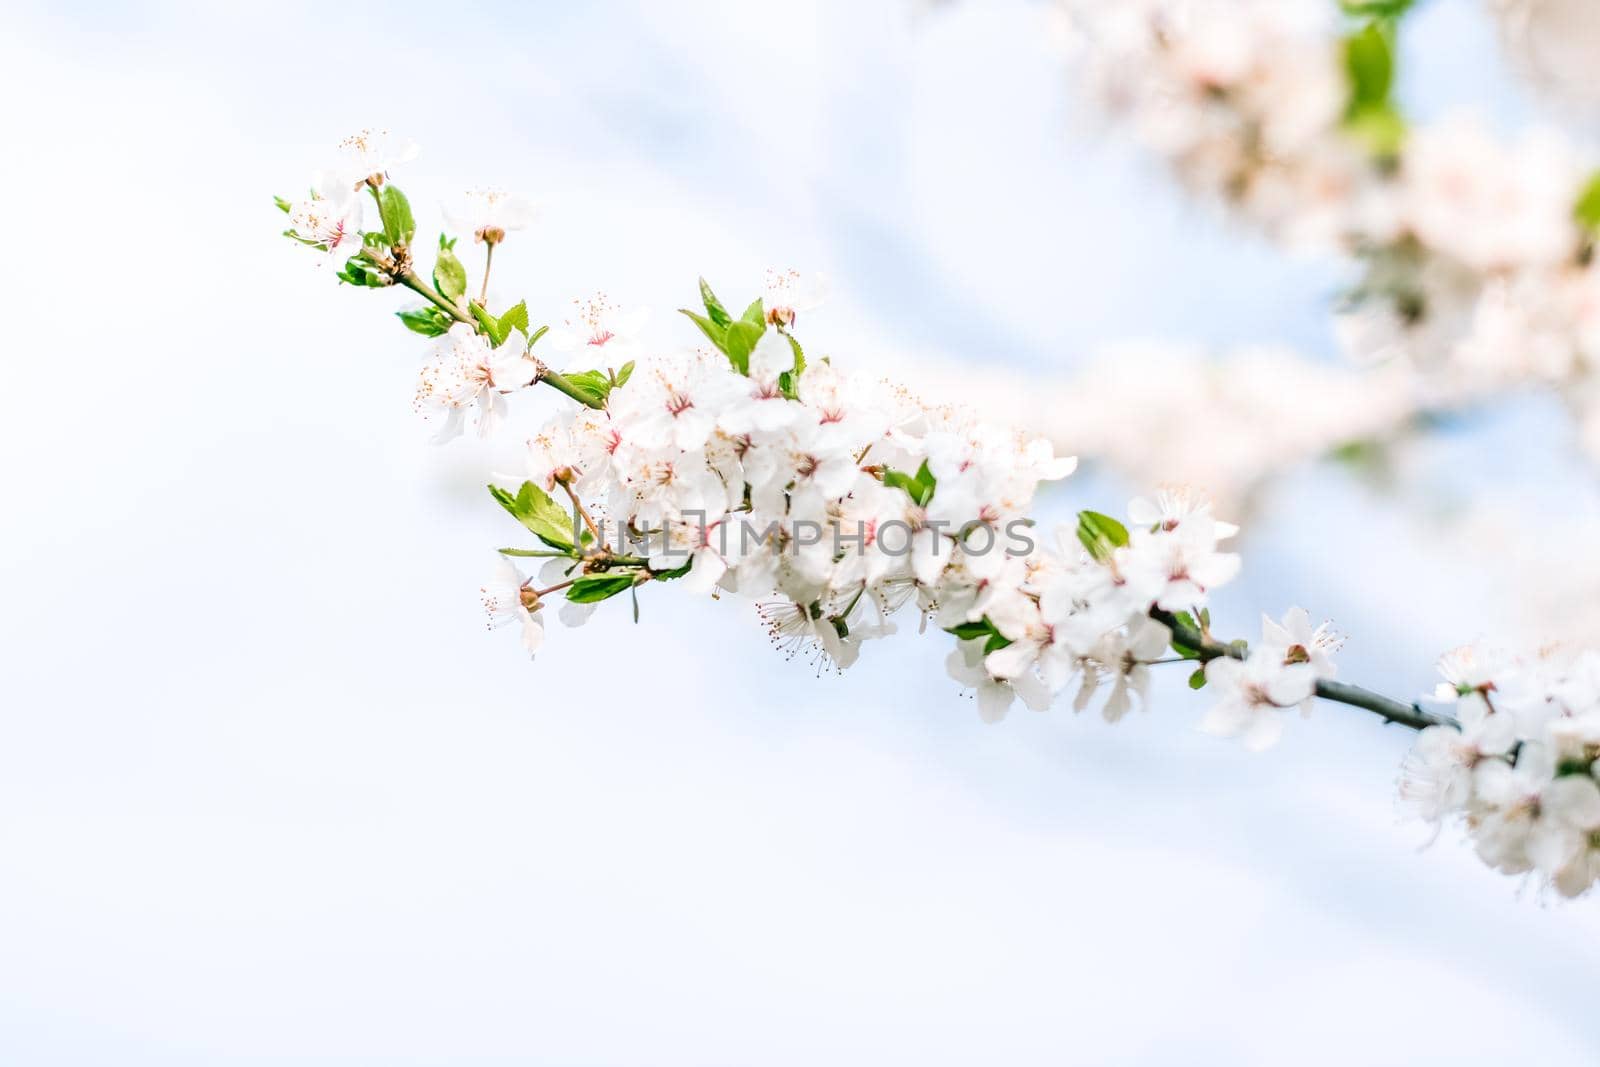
[(427, 320)]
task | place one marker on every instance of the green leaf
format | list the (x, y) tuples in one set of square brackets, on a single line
[(996, 642), (593, 384), (1376, 9), (449, 275), (1369, 64), (514, 318), (361, 272), (1197, 680), (531, 553), (718, 314), (755, 314), (900, 480), (1370, 115), (789, 380), (490, 324), (283, 205), (533, 338), (427, 320), (1101, 534), (398, 225), (533, 507), (739, 341), (799, 353), (1181, 647), (676, 572), (919, 487), (967, 631), (715, 332), (499, 327), (594, 589), (1381, 129), (624, 374), (1587, 209)]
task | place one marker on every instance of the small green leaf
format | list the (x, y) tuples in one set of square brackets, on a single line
[(427, 320), (544, 518), (593, 384), (283, 205), (1381, 129), (926, 483), (1101, 534), (1370, 115), (490, 324), (1105, 526), (398, 225), (967, 631), (1587, 209), (533, 338), (755, 314), (715, 332), (1369, 64), (530, 553), (499, 327), (676, 572), (594, 589), (449, 275), (799, 353), (919, 487), (739, 341), (996, 642), (624, 374), (1197, 680), (514, 318), (714, 309), (362, 272), (1376, 9)]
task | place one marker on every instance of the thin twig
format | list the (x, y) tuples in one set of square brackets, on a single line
[(1401, 714)]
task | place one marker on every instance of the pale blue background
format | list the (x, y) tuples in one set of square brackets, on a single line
[(269, 795)]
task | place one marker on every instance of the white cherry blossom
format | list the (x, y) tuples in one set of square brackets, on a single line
[(490, 214)]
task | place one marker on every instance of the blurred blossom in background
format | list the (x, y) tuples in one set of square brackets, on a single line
[(268, 793)]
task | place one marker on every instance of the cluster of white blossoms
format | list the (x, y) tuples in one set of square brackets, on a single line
[(835, 501), (839, 504), (1477, 251), (1552, 43), (1131, 408), (1520, 769)]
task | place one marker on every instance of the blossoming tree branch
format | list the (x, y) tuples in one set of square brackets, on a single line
[(840, 504), (1475, 254)]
